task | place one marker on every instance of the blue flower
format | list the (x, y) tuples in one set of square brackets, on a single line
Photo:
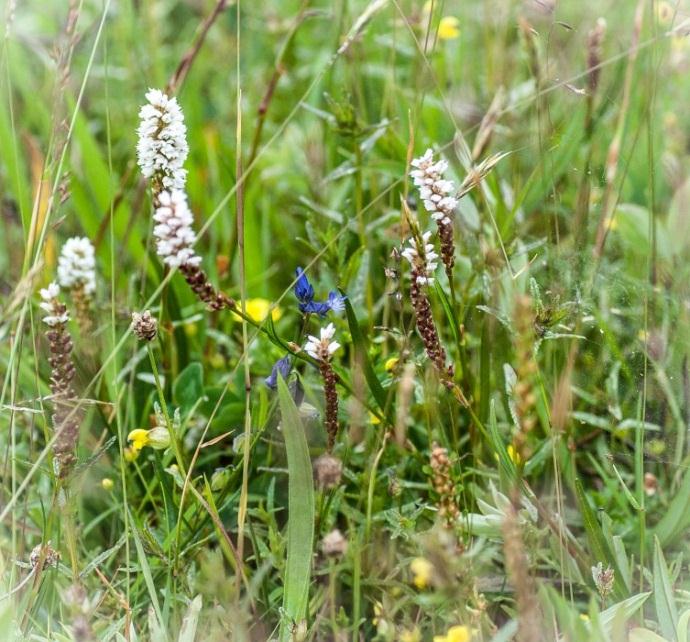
[(303, 289), (282, 367), (315, 307), (304, 292), (336, 302)]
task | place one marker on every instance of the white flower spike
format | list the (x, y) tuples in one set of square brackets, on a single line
[(57, 313), (434, 190), (162, 148), (174, 234), (77, 265), (423, 267)]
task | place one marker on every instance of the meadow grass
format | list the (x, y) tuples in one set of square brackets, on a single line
[(491, 441)]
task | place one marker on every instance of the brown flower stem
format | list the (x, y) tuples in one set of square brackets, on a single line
[(428, 332), (202, 287), (331, 394)]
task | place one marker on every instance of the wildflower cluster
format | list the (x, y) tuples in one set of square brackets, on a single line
[(304, 291), (161, 151), (65, 422), (436, 194)]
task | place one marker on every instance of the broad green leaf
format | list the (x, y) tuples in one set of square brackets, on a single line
[(666, 611), (188, 387), (676, 518), (300, 528)]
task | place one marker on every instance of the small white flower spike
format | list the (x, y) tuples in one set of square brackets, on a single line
[(77, 265), (322, 348), (174, 234), (57, 313), (434, 190), (423, 267)]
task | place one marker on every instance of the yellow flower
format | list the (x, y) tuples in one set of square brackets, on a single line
[(514, 455), (107, 483), (258, 309), (190, 329), (391, 364), (411, 636), (373, 419), (422, 572), (130, 455), (448, 28), (157, 438), (455, 634)]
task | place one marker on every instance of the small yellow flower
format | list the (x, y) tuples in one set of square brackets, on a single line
[(391, 364), (157, 438), (448, 28), (373, 419), (411, 636), (130, 455), (190, 329), (378, 612), (514, 455), (258, 309), (107, 483), (455, 634), (422, 572)]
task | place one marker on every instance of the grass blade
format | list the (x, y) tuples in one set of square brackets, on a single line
[(666, 609), (300, 529)]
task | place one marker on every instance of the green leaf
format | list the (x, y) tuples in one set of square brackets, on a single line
[(676, 518), (448, 309), (627, 608), (362, 356), (666, 610), (300, 528), (599, 548), (683, 625), (189, 387)]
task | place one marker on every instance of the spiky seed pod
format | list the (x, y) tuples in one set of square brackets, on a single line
[(525, 370), (435, 192), (322, 349), (328, 471), (44, 552), (162, 148), (65, 421), (443, 485), (422, 259), (77, 274), (144, 326)]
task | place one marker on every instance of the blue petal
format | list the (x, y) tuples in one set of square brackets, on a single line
[(303, 289), (282, 367), (336, 301), (315, 307)]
